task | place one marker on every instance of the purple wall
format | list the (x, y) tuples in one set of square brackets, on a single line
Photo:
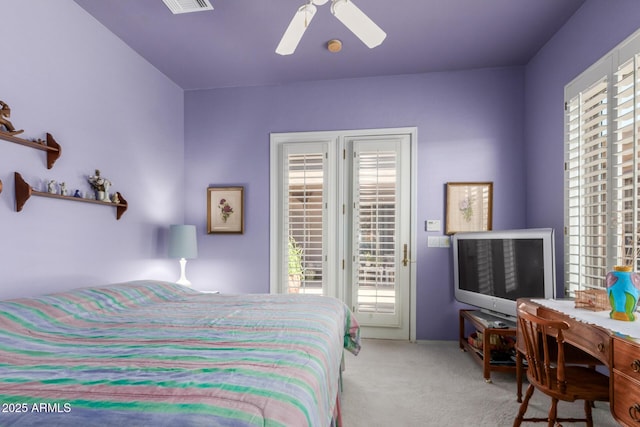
[(64, 73), (596, 28), (469, 129)]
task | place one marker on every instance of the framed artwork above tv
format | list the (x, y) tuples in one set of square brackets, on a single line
[(469, 206)]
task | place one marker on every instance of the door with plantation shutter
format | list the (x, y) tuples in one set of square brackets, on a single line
[(341, 219), (381, 234)]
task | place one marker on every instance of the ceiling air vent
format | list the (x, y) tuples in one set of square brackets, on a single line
[(184, 6)]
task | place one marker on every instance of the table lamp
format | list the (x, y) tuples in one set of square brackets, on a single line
[(183, 245)]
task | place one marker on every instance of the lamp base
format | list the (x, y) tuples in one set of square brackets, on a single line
[(183, 277)]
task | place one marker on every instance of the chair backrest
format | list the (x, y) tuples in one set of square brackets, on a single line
[(545, 364)]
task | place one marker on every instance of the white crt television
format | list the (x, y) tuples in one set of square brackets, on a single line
[(491, 269)]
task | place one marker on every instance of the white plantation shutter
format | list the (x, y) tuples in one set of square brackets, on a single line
[(601, 167), (586, 187), (625, 161), (374, 222), (305, 220)]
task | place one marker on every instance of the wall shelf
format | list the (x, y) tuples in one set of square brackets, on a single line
[(24, 191), (52, 148)]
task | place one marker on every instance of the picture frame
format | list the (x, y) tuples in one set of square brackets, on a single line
[(225, 210), (469, 206)]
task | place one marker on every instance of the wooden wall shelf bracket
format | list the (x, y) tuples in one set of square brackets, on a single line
[(52, 148), (24, 191)]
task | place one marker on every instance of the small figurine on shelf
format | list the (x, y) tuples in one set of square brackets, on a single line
[(115, 198), (77, 194), (63, 189), (5, 113), (51, 187), (100, 185)]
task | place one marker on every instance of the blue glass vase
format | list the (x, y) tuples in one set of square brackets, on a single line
[(623, 289)]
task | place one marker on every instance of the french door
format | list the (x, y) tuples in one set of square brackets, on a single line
[(380, 219), (341, 220)]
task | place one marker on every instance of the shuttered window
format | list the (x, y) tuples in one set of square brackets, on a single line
[(625, 162), (305, 220), (601, 168), (586, 187), (375, 223)]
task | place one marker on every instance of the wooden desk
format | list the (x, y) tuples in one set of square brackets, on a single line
[(620, 354)]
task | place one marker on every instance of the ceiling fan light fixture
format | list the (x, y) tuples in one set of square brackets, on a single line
[(296, 29), (358, 23), (334, 46)]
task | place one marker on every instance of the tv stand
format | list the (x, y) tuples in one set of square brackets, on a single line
[(485, 324)]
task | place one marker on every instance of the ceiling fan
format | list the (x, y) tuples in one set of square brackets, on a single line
[(347, 12)]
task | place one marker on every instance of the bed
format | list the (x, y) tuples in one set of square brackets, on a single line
[(150, 353)]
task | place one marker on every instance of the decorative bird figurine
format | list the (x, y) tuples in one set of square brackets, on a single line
[(623, 290)]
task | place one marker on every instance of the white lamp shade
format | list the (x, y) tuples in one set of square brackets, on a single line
[(182, 241)]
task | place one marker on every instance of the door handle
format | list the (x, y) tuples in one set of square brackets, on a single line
[(405, 259)]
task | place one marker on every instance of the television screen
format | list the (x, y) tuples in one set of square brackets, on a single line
[(507, 268), (493, 269)]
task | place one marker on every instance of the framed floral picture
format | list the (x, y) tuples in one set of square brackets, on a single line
[(469, 206), (225, 210)]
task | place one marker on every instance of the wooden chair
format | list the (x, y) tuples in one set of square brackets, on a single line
[(547, 371)]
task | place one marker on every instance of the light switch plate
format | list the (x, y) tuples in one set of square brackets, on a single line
[(438, 242), (433, 241)]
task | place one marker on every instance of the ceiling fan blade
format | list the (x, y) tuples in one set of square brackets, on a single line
[(359, 23), (296, 29)]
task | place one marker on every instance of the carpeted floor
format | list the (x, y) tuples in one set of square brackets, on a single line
[(397, 384)]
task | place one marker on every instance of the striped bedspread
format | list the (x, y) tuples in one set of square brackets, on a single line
[(150, 353)]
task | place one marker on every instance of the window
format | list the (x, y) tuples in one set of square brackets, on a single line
[(602, 116), (375, 221), (305, 219)]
